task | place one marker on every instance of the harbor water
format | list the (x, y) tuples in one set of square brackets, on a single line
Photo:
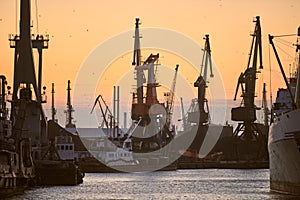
[(180, 184)]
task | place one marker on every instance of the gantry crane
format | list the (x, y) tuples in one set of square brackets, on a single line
[(246, 112)]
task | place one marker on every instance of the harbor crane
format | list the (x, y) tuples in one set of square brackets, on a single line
[(106, 113), (198, 113), (201, 83), (170, 99), (147, 113), (245, 114)]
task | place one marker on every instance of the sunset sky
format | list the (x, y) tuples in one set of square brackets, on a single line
[(78, 27)]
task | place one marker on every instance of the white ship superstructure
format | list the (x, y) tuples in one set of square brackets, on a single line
[(284, 135)]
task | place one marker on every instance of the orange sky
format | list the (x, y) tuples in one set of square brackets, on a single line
[(77, 27)]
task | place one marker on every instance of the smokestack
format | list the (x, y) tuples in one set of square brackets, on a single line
[(125, 120), (116, 106)]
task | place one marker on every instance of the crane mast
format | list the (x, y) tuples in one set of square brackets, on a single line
[(246, 113), (137, 62)]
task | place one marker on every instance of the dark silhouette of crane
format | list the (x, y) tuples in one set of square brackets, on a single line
[(201, 82), (105, 112), (246, 113), (170, 99)]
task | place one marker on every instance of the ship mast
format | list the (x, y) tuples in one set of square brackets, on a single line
[(53, 110), (70, 109), (265, 106), (295, 99), (26, 110), (3, 112), (297, 93)]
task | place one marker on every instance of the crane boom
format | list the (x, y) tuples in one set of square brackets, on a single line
[(103, 112)]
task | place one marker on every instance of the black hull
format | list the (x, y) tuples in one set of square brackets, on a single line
[(223, 165), (58, 173), (229, 153)]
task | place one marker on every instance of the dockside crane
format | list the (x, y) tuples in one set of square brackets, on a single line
[(245, 114), (147, 113), (201, 82), (170, 100), (106, 113)]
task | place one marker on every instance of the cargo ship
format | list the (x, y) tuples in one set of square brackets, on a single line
[(284, 134)]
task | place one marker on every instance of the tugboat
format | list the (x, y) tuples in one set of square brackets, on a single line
[(284, 134), (16, 165), (53, 170)]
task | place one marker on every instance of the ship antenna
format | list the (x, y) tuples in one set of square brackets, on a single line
[(270, 81)]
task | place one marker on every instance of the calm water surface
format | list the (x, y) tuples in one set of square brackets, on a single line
[(181, 184)]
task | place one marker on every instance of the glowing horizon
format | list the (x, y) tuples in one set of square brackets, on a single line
[(77, 28)]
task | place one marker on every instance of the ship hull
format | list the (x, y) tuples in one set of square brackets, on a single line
[(51, 172), (284, 153)]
